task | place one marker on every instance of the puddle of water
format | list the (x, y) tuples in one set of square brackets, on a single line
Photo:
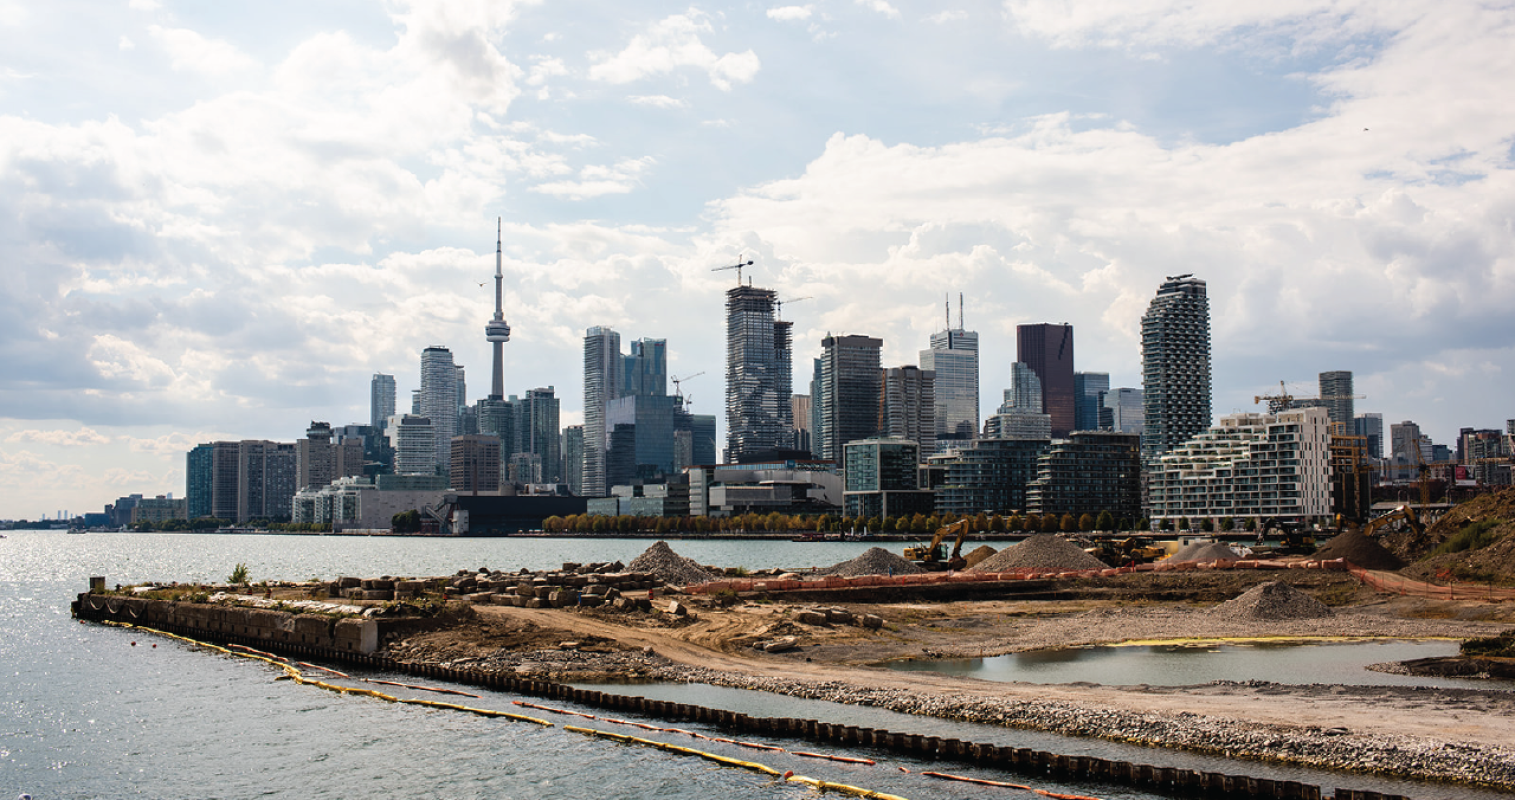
[(1185, 665)]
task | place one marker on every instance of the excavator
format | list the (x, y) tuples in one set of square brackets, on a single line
[(931, 556), (1373, 528)]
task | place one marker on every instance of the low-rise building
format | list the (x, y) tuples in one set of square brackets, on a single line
[(882, 479), (1089, 472), (990, 475), (786, 487), (1249, 465)]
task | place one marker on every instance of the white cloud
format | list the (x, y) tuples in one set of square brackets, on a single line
[(117, 358), (791, 13), (658, 101), (597, 180), (671, 44), (544, 68), (83, 437), (943, 17), (145, 5), (191, 52), (126, 44), (1193, 23), (12, 14), (881, 7)]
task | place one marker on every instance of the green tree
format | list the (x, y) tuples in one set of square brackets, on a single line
[(997, 524), (1086, 522), (1068, 524), (1050, 523), (1206, 524), (1105, 521), (1227, 523), (1183, 523), (406, 522)]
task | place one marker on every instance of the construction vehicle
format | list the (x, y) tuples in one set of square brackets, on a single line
[(1406, 513), (1131, 550), (933, 557)]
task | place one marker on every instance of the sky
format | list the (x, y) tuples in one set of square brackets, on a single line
[(217, 221)]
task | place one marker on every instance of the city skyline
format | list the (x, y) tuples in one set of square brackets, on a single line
[(1339, 177)]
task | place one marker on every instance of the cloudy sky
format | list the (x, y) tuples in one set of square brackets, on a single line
[(218, 222)]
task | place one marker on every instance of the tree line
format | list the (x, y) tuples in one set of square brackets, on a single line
[(921, 524)]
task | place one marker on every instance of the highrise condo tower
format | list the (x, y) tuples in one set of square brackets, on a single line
[(497, 332), (439, 399), (1175, 366), (758, 376)]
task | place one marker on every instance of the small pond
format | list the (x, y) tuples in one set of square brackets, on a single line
[(1184, 665)]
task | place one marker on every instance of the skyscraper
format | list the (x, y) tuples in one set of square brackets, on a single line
[(539, 432), (1336, 396), (909, 406), (758, 377), (953, 356), (1370, 427), (1048, 350), (1121, 411), (198, 478), (497, 332), (414, 443), (439, 399), (1089, 389), (603, 382), (1175, 366), (381, 400), (573, 458), (646, 370), (849, 394)]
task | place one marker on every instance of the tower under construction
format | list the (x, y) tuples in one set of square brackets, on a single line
[(758, 376)]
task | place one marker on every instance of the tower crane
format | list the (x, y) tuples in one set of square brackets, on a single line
[(779, 305), (737, 266), (678, 389)]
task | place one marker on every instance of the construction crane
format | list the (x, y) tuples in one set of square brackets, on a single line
[(1276, 402), (779, 305), (737, 266), (1283, 401), (678, 389)]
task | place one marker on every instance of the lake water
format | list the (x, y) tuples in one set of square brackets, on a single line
[(86, 714)]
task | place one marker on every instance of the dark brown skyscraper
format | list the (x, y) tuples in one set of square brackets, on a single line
[(1048, 350)]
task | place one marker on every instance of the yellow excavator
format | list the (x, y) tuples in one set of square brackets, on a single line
[(1375, 527), (933, 556)]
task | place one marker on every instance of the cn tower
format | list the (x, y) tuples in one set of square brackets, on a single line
[(497, 332)]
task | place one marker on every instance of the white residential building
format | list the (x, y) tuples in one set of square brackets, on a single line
[(1250, 465)]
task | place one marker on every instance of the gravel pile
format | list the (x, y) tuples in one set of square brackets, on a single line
[(979, 554), (1272, 600), (875, 561), (1204, 551), (1360, 550), (1042, 551), (669, 567)]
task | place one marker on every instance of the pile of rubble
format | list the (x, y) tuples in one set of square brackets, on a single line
[(873, 561), (1270, 601), (669, 567), (1043, 551), (590, 585)]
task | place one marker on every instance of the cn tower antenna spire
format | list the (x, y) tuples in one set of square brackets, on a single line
[(497, 332)]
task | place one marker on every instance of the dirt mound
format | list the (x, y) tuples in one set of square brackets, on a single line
[(1043, 551), (1203, 551), (1360, 550), (978, 554), (668, 566), (874, 561), (1412, 547), (1491, 559), (1272, 600)]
